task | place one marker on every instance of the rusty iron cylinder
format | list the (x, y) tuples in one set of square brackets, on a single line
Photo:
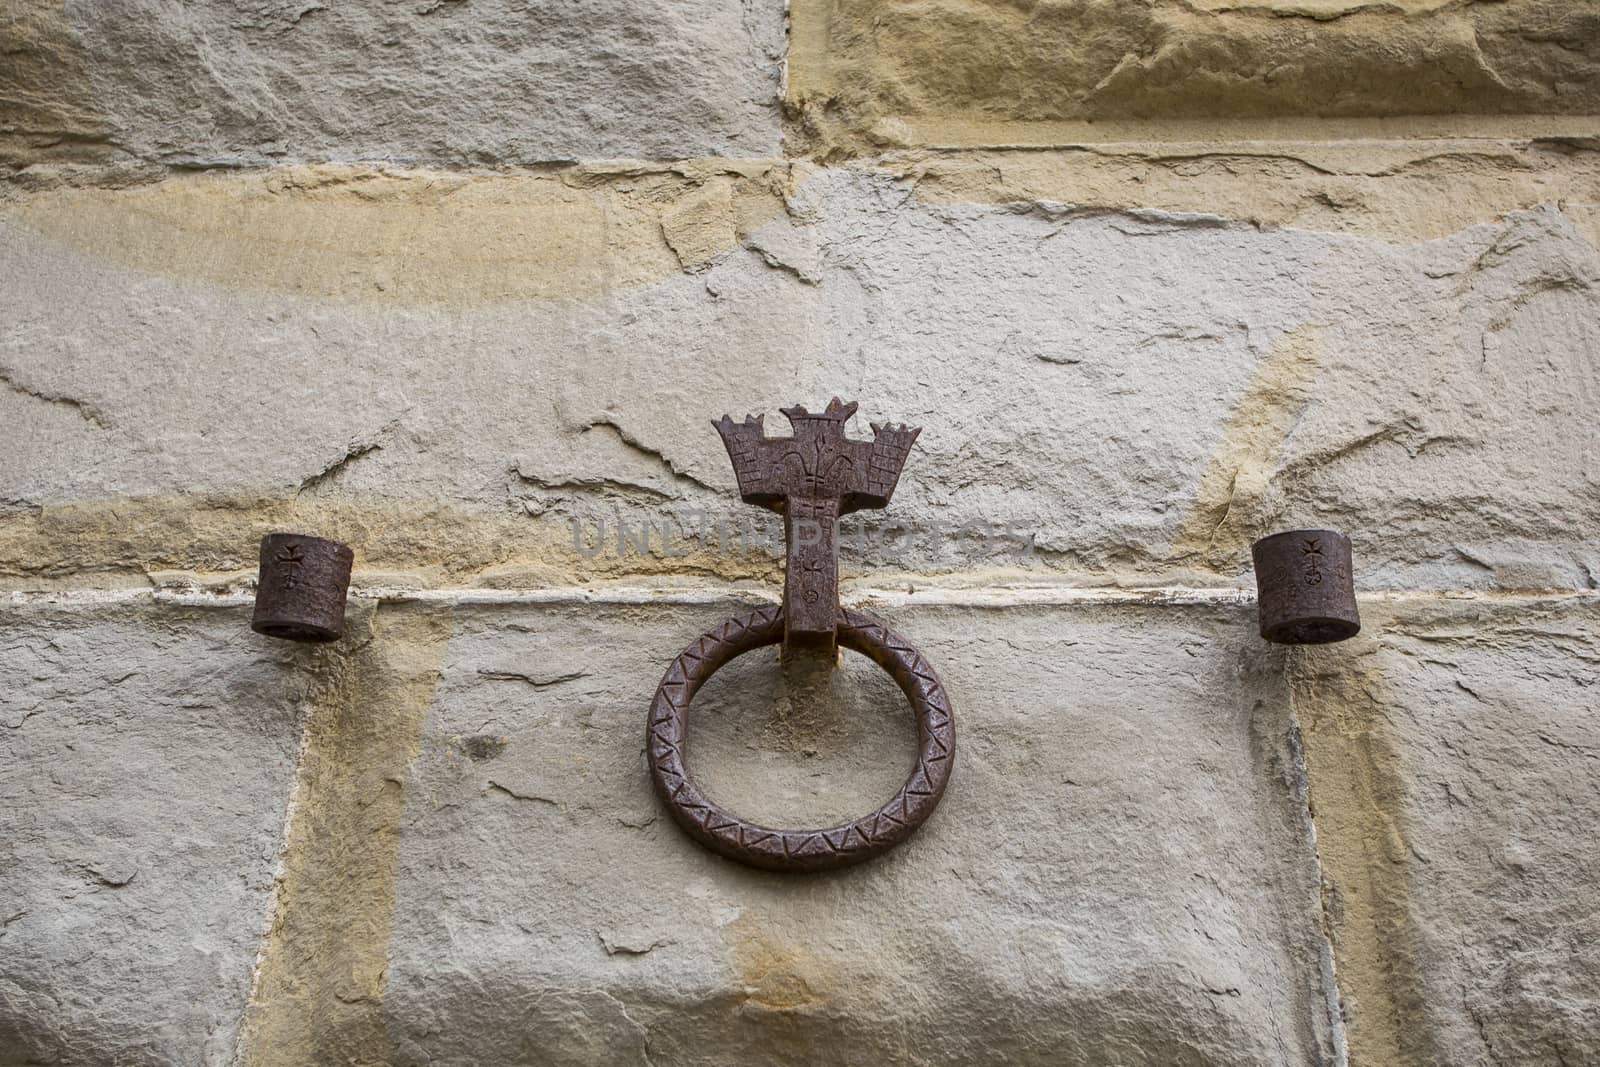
[(1305, 587), (300, 590)]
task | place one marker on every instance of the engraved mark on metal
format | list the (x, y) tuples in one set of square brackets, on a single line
[(811, 478), (1313, 561), (289, 557), (301, 587), (800, 850), (1305, 587)]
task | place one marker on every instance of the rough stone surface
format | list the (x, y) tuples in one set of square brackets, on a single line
[(319, 985), (1107, 391), (1454, 756), (485, 81), (146, 763), (1124, 868), (1118, 878), (868, 74), (463, 282)]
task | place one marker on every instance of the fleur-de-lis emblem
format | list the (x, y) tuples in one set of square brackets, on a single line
[(825, 470), (289, 558)]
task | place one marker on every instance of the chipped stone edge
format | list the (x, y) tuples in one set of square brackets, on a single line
[(1327, 959), (269, 913)]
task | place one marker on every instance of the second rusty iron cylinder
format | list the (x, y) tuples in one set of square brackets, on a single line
[(1305, 589), (300, 591)]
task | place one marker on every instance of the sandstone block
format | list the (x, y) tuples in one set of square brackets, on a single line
[(885, 73), (486, 82), (1454, 758), (146, 764), (1119, 871), (1107, 391)]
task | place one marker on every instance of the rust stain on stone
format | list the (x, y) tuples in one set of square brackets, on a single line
[(786, 991), (777, 971), (775, 975), (1233, 501), (1340, 702), (318, 995)]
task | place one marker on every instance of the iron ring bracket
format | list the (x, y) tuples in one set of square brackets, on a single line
[(811, 478), (800, 850)]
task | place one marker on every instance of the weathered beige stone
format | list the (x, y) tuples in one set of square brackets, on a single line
[(486, 82), (464, 765), (1156, 277), (318, 996), (870, 74), (1454, 760), (1406, 190), (475, 870), (1131, 389), (392, 236), (1120, 871), (146, 764), (47, 108)]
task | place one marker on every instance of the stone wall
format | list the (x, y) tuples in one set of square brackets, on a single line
[(462, 282)]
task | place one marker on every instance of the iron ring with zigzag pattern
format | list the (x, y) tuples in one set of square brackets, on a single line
[(800, 850)]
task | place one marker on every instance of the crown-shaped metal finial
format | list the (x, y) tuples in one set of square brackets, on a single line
[(812, 478)]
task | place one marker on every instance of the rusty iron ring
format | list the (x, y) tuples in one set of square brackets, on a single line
[(800, 850)]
